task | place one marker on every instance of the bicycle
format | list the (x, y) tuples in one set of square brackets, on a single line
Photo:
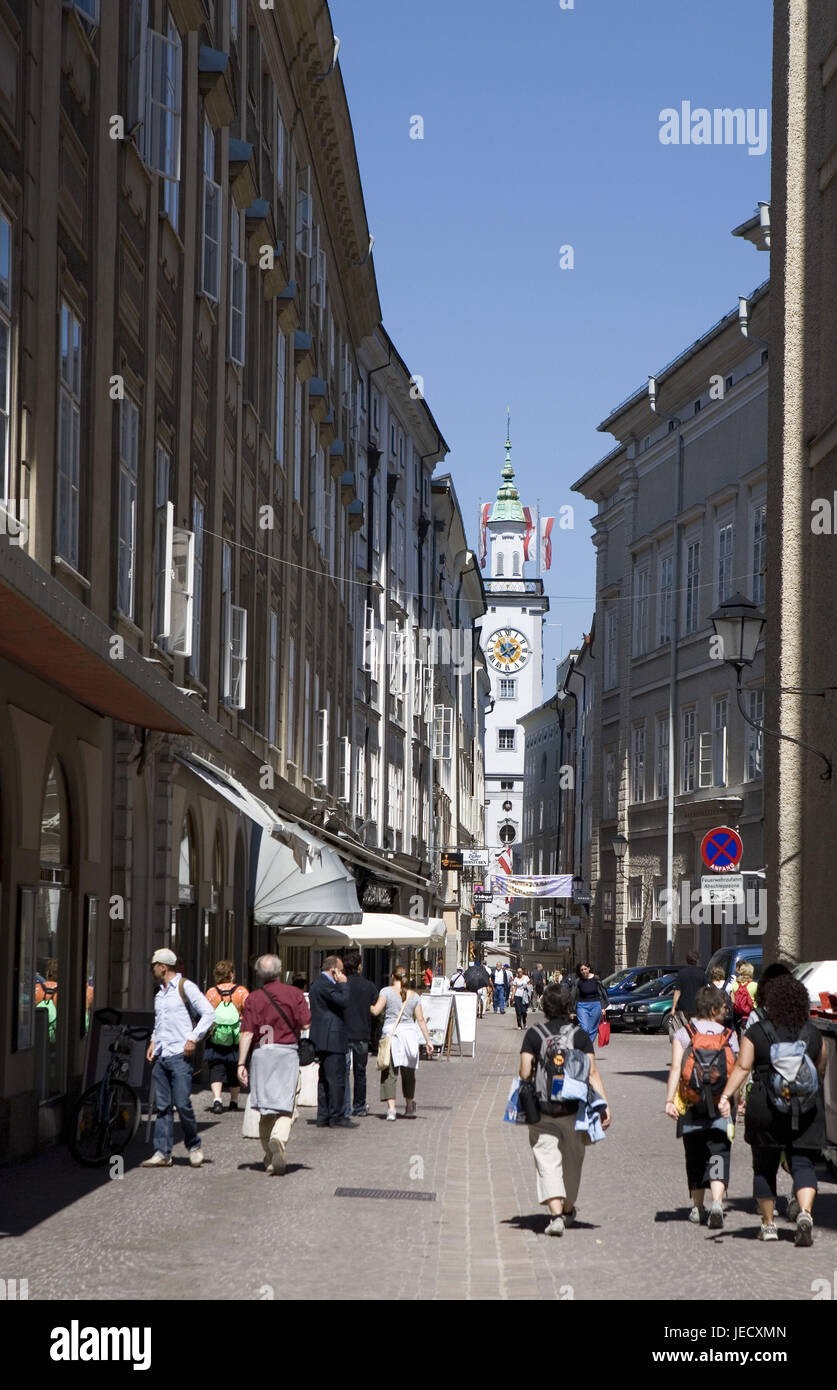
[(106, 1116)]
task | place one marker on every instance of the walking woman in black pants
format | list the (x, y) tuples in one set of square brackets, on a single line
[(769, 1131)]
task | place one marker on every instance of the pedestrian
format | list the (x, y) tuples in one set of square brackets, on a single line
[(744, 998), (538, 984), (329, 996), (182, 1017), (558, 1148), (358, 1019), (228, 1000), (476, 980), (502, 983), (717, 978), (690, 978), (703, 1056), (786, 1054), (591, 999), (521, 995), (268, 1057), (404, 1024), (428, 976), (457, 979)]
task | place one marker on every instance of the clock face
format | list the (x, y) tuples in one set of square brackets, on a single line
[(508, 650)]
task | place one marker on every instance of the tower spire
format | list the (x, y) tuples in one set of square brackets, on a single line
[(507, 506)]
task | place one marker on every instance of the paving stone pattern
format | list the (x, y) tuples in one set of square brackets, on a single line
[(229, 1231)]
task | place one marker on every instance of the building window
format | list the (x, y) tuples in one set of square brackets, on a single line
[(610, 784), (725, 547), (657, 914), (755, 700), (505, 740), (5, 351), (607, 904), (442, 732), (611, 648), (165, 107), (635, 900), (272, 676), (720, 707), (238, 289), (661, 756), (211, 257), (280, 157), (304, 214), (281, 347), (508, 688), (687, 766), (507, 834), (69, 436), (759, 551), (640, 612), (128, 474), (507, 786), (306, 721), (638, 763), (298, 441), (164, 512), (499, 567), (666, 584), (692, 586), (197, 527), (290, 715)]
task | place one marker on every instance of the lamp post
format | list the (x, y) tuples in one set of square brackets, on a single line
[(620, 848), (739, 623)]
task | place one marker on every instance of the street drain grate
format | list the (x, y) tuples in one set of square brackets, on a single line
[(390, 1194)]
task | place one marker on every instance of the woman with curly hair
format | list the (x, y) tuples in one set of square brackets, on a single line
[(771, 1129)]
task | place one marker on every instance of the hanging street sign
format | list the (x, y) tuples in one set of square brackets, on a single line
[(721, 850), (451, 860), (475, 858), (717, 892)]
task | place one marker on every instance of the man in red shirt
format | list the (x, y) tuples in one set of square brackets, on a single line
[(274, 1015)]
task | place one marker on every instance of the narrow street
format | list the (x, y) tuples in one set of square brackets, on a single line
[(228, 1231)]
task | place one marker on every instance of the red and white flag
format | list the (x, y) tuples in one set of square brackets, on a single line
[(547, 524), (484, 510), (529, 513)]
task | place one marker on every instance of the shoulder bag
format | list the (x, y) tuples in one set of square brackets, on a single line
[(196, 1057), (307, 1050), (385, 1045)]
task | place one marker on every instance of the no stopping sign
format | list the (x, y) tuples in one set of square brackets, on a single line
[(721, 849)]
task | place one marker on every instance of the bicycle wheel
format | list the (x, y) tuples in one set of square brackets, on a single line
[(102, 1126)]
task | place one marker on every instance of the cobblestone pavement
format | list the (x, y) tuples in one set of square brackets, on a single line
[(229, 1231)]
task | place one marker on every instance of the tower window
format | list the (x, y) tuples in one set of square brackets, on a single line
[(516, 564), (500, 563), (505, 740), (508, 688)]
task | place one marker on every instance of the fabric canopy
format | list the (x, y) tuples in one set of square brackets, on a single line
[(389, 929), (299, 881)]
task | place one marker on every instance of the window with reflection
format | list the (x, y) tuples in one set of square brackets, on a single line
[(52, 929)]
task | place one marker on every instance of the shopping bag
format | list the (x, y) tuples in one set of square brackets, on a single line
[(604, 1033), (513, 1115)]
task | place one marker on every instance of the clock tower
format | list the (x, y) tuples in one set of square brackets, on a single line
[(511, 636)]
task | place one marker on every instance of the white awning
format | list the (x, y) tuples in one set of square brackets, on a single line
[(389, 929), (299, 881)]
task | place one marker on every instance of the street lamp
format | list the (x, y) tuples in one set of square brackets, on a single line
[(620, 848), (739, 623)]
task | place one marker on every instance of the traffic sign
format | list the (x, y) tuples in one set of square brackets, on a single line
[(721, 849), (717, 892)]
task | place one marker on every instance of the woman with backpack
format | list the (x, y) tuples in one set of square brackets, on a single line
[(703, 1056), (591, 1000), (558, 1148), (786, 1054), (744, 996), (227, 999)]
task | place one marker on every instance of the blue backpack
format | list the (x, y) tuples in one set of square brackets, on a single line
[(792, 1080)]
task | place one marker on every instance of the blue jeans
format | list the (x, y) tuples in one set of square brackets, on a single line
[(172, 1077), (358, 1054), (500, 998)]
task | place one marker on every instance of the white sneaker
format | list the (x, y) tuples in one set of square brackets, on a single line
[(157, 1160), (196, 1157), (391, 1115), (277, 1163), (556, 1226)]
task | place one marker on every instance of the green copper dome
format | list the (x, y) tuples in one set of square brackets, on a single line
[(507, 507)]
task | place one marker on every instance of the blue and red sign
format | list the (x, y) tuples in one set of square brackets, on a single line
[(721, 849)]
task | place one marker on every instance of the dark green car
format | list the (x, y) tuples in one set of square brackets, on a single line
[(650, 1005)]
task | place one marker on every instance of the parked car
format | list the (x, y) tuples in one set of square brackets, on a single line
[(650, 1005), (628, 982), (819, 977), (730, 956)]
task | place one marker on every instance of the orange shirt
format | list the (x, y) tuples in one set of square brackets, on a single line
[(238, 997)]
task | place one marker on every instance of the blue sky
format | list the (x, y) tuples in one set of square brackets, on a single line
[(541, 130)]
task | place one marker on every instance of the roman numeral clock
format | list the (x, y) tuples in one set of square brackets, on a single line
[(507, 650)]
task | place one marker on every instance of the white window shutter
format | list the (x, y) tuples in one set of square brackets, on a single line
[(321, 770), (182, 591), (370, 645), (344, 785), (238, 657), (226, 646), (162, 605), (705, 770)]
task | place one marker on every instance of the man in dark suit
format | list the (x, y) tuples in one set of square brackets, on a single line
[(329, 999)]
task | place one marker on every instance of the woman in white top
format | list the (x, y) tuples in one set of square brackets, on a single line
[(404, 1023)]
